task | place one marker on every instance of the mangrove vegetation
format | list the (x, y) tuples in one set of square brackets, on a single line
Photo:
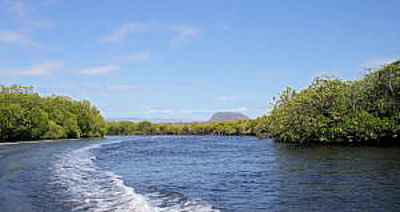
[(330, 110), (24, 115), (333, 110), (241, 127)]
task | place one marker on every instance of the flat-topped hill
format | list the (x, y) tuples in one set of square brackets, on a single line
[(227, 116)]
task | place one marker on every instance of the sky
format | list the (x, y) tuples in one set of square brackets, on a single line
[(184, 60)]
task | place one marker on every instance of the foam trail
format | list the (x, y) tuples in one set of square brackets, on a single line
[(86, 188)]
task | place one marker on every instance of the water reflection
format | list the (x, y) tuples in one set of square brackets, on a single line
[(338, 177)]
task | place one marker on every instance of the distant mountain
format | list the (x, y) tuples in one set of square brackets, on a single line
[(227, 116)]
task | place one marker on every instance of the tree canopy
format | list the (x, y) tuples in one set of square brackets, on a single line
[(329, 110), (24, 115), (241, 127), (333, 110)]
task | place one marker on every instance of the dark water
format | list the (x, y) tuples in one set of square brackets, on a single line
[(189, 173)]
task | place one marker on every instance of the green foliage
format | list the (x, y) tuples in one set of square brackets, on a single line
[(333, 110), (243, 127), (260, 127), (24, 115), (329, 110), (54, 131)]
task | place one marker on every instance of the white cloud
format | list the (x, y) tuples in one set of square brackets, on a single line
[(100, 70), (123, 31), (14, 37), (185, 34), (41, 69), (44, 68), (26, 15), (26, 19)]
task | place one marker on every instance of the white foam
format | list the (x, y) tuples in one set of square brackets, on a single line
[(86, 188)]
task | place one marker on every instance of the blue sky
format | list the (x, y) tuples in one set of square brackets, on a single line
[(187, 59)]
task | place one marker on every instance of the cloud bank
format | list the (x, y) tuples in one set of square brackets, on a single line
[(44, 68)]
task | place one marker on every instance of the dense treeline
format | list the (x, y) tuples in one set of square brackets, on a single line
[(329, 110), (333, 110), (243, 127), (24, 115)]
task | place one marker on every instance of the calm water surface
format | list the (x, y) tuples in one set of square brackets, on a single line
[(193, 173)]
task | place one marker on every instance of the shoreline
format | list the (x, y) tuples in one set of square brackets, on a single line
[(289, 144), (45, 141)]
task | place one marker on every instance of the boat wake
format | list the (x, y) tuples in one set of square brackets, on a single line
[(84, 187)]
